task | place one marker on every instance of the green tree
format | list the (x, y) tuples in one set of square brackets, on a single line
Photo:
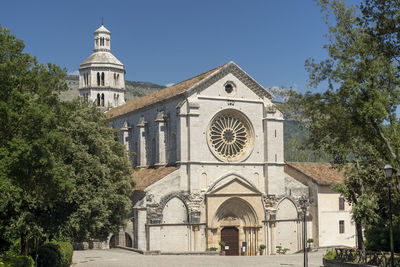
[(356, 119), (62, 171)]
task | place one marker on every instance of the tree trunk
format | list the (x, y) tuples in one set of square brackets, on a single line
[(24, 244), (360, 239)]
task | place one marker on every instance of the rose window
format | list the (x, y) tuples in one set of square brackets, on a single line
[(230, 136)]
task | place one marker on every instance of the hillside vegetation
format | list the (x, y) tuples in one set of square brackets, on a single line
[(134, 89)]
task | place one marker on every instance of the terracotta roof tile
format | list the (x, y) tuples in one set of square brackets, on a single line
[(158, 96), (320, 173), (148, 176)]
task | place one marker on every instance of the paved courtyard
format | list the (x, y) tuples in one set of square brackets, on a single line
[(119, 257)]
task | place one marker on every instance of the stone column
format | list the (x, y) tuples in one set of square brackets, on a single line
[(250, 242), (142, 153), (161, 141), (245, 240), (254, 241), (272, 224), (195, 236)]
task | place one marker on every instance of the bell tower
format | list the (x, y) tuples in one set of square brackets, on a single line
[(102, 75)]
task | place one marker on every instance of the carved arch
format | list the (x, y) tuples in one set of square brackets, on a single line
[(167, 198), (236, 207), (292, 201)]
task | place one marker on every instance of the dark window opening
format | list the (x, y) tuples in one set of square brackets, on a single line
[(102, 100), (98, 79), (98, 99), (228, 88), (102, 78), (341, 203), (341, 227)]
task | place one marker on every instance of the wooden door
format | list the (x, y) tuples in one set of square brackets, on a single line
[(230, 235)]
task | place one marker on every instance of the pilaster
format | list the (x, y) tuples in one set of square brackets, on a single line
[(125, 136), (161, 142), (142, 143)]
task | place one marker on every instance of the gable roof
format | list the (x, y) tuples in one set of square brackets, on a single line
[(160, 95), (148, 176), (319, 173), (187, 86)]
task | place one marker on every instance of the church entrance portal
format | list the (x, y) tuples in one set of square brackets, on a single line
[(234, 222), (230, 235)]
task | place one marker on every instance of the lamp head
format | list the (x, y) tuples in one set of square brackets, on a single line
[(388, 171)]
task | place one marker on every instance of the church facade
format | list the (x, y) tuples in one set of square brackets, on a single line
[(208, 158), (221, 139)]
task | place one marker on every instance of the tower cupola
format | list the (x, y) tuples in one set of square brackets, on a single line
[(102, 40)]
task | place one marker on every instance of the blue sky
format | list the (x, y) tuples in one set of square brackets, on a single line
[(169, 41)]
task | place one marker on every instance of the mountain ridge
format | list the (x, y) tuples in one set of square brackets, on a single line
[(133, 89)]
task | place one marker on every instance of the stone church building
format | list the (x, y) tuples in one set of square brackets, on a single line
[(209, 164)]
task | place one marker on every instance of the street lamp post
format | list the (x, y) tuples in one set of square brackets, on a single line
[(304, 203), (388, 174)]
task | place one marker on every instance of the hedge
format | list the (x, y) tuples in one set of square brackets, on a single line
[(20, 261), (67, 252), (55, 254)]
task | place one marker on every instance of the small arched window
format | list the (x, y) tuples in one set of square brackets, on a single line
[(102, 78), (98, 79), (102, 100), (86, 76), (102, 41), (98, 99)]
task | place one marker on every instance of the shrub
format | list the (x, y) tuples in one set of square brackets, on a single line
[(67, 251), (262, 246), (20, 261), (330, 254), (213, 249), (56, 254), (281, 250), (222, 244), (49, 255)]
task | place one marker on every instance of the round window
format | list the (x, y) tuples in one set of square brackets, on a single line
[(229, 88), (230, 135)]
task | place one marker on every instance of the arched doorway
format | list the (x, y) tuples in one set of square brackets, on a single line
[(235, 222), (128, 240), (230, 235), (112, 242)]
